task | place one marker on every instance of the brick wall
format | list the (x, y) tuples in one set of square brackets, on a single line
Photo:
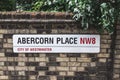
[(117, 55), (49, 66)]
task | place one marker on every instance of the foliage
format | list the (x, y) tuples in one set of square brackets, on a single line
[(25, 5), (100, 14), (7, 5), (118, 11), (51, 5), (37, 6)]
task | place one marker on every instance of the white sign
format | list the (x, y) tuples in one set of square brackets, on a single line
[(56, 43)]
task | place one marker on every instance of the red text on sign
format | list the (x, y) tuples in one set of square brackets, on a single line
[(87, 40), (20, 49)]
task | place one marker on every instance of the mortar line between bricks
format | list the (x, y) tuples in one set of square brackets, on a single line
[(37, 20)]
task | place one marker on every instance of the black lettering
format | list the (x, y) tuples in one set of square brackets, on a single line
[(75, 40), (46, 40), (71, 41), (66, 41), (41, 40), (51, 40), (58, 39), (37, 41), (23, 40), (19, 41), (32, 40), (28, 40)]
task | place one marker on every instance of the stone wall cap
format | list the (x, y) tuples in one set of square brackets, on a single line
[(36, 15), (37, 21)]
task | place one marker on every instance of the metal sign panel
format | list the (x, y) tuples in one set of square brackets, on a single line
[(56, 43)]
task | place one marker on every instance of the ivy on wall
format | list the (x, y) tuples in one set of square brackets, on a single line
[(7, 5), (100, 14), (25, 4)]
